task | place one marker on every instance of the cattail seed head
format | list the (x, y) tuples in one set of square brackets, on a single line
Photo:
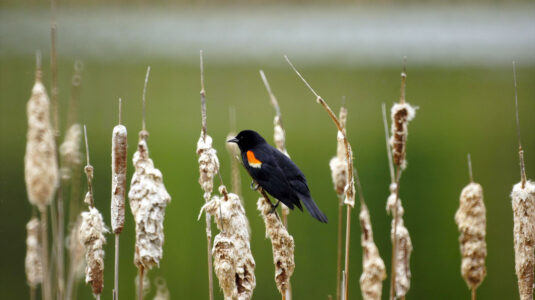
[(148, 200), (118, 171), (40, 163), (34, 271), (282, 245), (70, 150), (233, 261), (404, 245), (524, 236), (373, 273), (402, 113), (471, 221), (162, 292), (92, 233), (208, 164), (338, 166)]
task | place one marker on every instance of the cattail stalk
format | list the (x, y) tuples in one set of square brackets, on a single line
[(148, 200), (233, 261), (523, 202), (40, 164), (118, 190), (350, 182), (282, 244), (234, 153), (34, 270), (208, 167), (92, 232), (401, 114), (338, 167), (471, 221)]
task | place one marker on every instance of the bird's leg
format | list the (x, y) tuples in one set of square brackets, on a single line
[(254, 185), (274, 207)]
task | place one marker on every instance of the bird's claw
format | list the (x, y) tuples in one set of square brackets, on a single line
[(274, 207), (254, 185)]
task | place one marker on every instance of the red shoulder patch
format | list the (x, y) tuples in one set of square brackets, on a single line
[(252, 160)]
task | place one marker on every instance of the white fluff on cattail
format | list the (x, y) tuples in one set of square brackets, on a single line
[(471, 221), (404, 246), (148, 199), (282, 245), (208, 165), (524, 236), (70, 150), (401, 114), (233, 261), (162, 292), (92, 233), (338, 165), (34, 271), (40, 163), (373, 267), (118, 177)]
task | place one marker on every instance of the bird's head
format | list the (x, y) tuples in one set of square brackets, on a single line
[(247, 139)]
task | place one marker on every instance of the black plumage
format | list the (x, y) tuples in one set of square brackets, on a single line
[(276, 173)]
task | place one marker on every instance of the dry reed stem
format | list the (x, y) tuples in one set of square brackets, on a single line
[(338, 167), (373, 267), (208, 167), (524, 236), (148, 200), (144, 288), (76, 259), (471, 221), (349, 189), (279, 136), (282, 245), (34, 270), (233, 261)]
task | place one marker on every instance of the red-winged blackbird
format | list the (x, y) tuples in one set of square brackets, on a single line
[(275, 172)]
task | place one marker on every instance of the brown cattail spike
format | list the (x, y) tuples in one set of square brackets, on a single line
[(144, 128), (148, 200), (373, 273), (520, 150), (233, 261), (524, 236), (282, 244), (40, 163), (118, 169), (34, 271)]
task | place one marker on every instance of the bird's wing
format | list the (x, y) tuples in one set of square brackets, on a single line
[(265, 171)]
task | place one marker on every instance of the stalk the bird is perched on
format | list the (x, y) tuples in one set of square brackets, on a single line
[(275, 173)]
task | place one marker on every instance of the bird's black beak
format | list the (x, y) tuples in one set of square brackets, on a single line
[(233, 140)]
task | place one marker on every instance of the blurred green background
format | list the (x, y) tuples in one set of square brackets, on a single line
[(463, 108)]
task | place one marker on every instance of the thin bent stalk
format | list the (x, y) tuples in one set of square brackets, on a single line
[(45, 287), (350, 195)]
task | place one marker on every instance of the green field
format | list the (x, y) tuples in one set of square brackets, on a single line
[(461, 110)]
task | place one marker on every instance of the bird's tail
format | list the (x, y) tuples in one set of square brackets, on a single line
[(313, 209)]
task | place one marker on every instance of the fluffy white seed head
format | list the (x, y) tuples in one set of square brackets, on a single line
[(70, 150), (208, 165), (338, 165), (373, 267), (524, 236), (471, 221), (148, 200), (118, 177), (162, 292), (401, 114), (40, 164), (282, 245), (34, 271), (92, 233), (233, 260)]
